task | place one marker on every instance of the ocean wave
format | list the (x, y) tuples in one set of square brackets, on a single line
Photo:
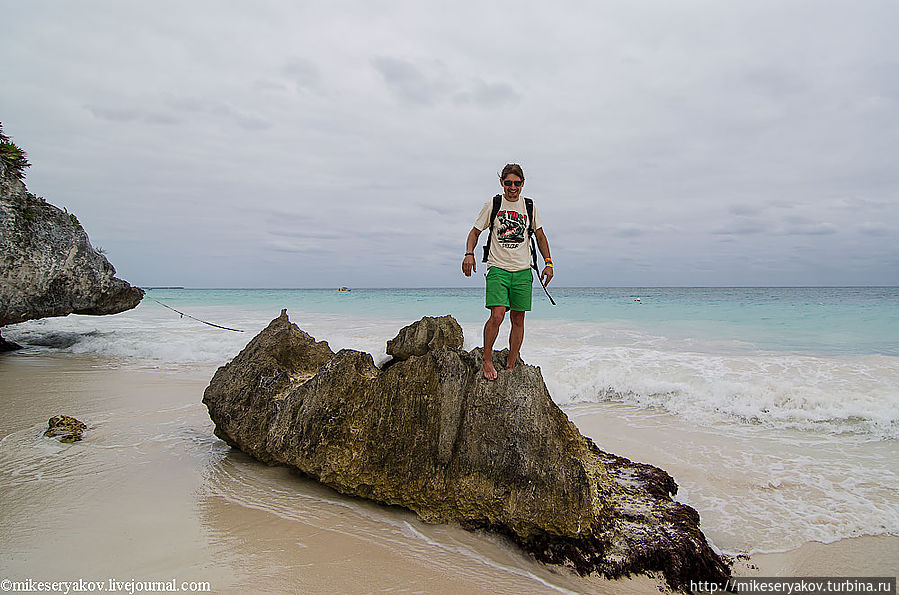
[(702, 380), (821, 394), (152, 336)]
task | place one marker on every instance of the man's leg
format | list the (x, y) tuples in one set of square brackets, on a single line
[(491, 330), (516, 337), (521, 289), (497, 301)]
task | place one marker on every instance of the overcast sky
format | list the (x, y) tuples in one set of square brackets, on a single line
[(317, 144)]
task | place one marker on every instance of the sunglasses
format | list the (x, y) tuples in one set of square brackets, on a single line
[(510, 183)]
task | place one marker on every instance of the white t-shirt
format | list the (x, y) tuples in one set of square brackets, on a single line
[(509, 249)]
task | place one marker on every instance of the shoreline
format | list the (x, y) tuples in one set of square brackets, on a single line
[(866, 555), (757, 495), (149, 451)]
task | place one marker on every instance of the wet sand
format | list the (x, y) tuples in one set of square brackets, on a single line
[(858, 556), (151, 494)]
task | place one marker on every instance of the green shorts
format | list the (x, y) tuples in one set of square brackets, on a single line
[(512, 290)]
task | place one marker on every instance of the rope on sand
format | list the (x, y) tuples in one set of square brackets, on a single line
[(236, 330)]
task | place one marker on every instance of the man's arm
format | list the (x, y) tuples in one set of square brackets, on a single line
[(468, 263), (543, 244)]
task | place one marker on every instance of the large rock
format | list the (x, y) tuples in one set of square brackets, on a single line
[(430, 434), (47, 264), (427, 334), (275, 361)]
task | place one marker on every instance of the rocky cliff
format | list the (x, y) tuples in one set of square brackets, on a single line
[(47, 264), (427, 432)]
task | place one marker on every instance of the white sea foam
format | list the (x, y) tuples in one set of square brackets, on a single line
[(766, 490), (831, 394), (703, 381), (151, 335)]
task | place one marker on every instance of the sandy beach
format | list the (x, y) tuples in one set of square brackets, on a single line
[(150, 494), (703, 194)]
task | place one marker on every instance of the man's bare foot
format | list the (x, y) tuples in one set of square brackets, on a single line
[(490, 372), (510, 365)]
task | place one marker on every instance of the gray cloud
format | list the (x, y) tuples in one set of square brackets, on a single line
[(633, 230), (216, 109), (302, 73), (874, 229), (776, 82), (114, 114), (180, 109), (410, 83), (711, 143), (745, 210), (164, 119), (305, 233), (444, 209), (812, 229), (132, 114), (307, 248), (421, 85), (742, 228), (489, 95), (798, 220)]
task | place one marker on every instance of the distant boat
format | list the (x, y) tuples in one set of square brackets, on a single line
[(343, 289)]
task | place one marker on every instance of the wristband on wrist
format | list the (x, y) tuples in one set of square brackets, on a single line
[(549, 264), (469, 254), (547, 260)]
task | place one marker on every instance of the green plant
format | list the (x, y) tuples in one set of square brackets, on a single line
[(75, 222), (12, 156)]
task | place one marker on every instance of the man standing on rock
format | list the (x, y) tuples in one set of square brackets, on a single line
[(509, 278)]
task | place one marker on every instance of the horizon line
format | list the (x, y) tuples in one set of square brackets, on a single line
[(334, 288)]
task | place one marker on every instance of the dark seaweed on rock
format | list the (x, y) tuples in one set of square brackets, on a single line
[(430, 434)]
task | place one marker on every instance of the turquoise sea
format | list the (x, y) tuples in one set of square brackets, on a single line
[(777, 409), (819, 320), (821, 358)]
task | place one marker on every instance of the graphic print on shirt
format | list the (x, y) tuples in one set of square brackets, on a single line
[(511, 228)]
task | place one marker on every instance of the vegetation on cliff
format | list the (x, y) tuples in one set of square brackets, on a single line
[(13, 157), (48, 266)]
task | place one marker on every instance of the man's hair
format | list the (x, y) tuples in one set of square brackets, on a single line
[(512, 168)]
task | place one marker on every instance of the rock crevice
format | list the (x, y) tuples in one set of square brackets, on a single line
[(429, 433)]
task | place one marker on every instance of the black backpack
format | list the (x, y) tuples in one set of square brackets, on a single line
[(529, 205)]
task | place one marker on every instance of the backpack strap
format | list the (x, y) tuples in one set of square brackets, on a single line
[(529, 204), (497, 201)]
